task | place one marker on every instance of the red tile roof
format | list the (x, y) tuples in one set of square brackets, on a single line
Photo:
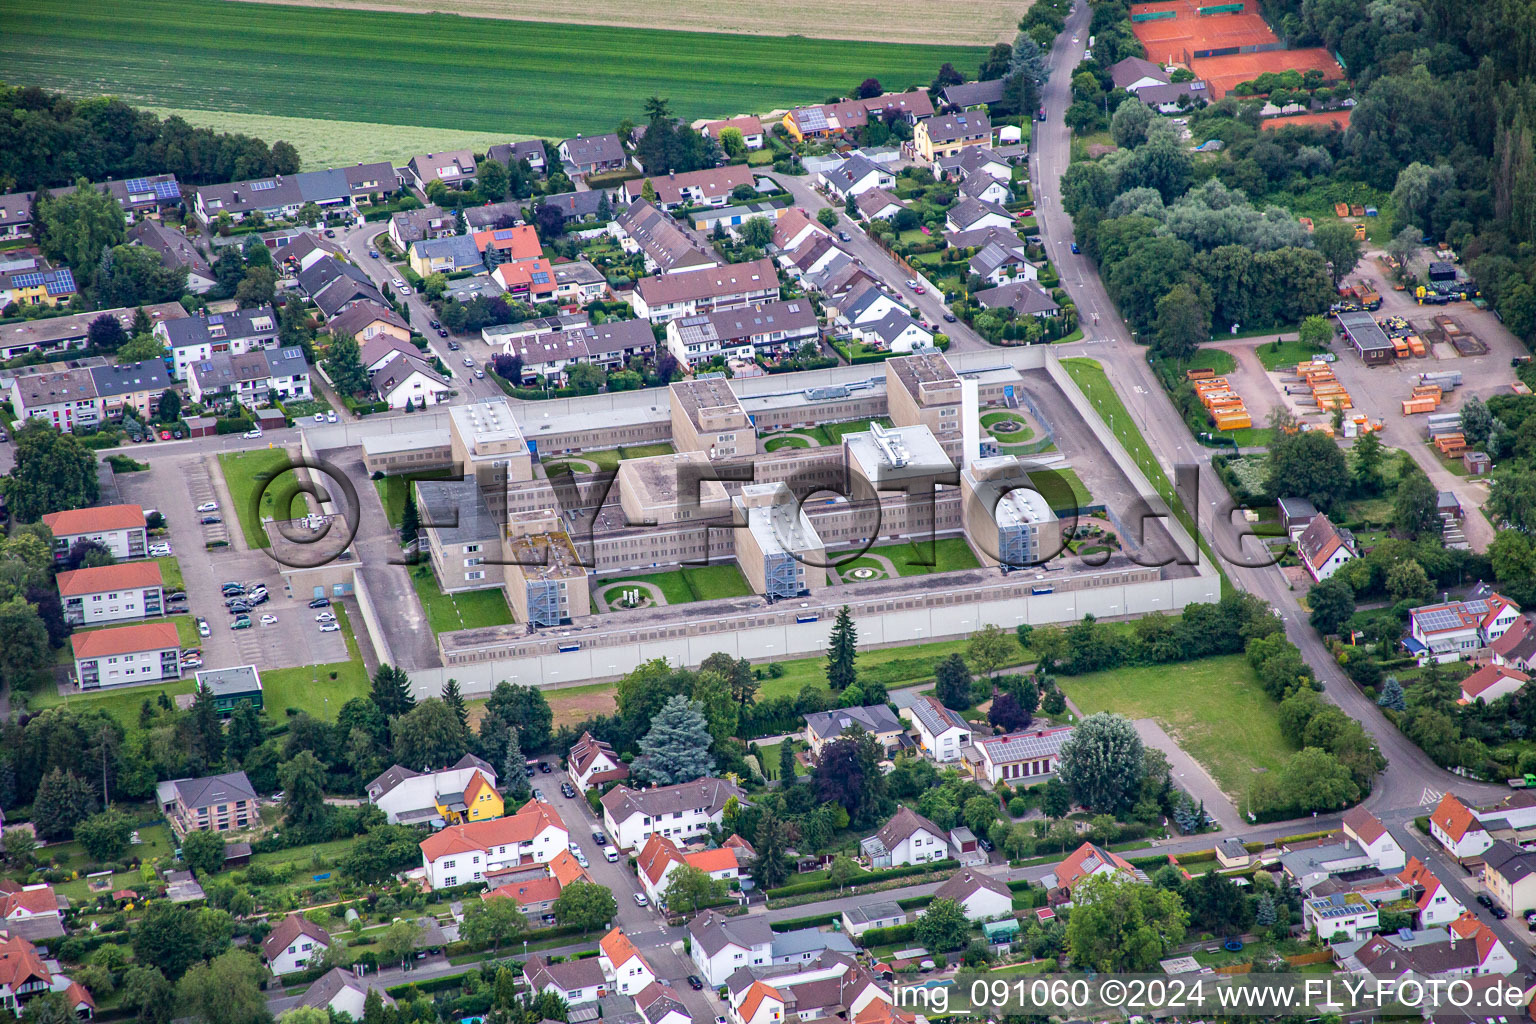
[(1454, 818), (1084, 861), (145, 636), (1418, 874), (94, 520), (39, 899), (535, 890), (19, 963), (617, 947), (123, 576), (531, 819), (754, 999), (567, 868), (1487, 677), (521, 242), (656, 856), (718, 859)]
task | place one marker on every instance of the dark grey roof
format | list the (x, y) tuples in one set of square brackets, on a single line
[(457, 512), (413, 225), (969, 94), (1510, 861), (224, 681), (1182, 93), (361, 315), (214, 789), (708, 793), (235, 325), (903, 824), (852, 171), (875, 718), (968, 211), (116, 380), (713, 932), (531, 150), (1297, 508), (397, 368), (944, 128), (460, 247), (286, 362), (593, 149), (567, 976), (579, 271), (575, 205), (995, 255), (1133, 68), (483, 218), (1024, 297), (883, 910), (330, 984), (175, 248), (892, 326)]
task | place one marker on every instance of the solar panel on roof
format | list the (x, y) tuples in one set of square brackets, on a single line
[(166, 189), (262, 186), (28, 280), (503, 234), (812, 119), (137, 185)]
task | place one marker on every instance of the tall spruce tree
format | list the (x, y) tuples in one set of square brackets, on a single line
[(841, 651), (391, 691), (787, 768), (514, 771), (771, 867), (455, 701), (208, 730), (410, 518), (677, 747)]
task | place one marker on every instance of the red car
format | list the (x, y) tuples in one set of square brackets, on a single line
[(920, 290), (165, 435)]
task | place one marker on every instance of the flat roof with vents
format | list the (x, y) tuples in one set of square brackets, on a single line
[(488, 428)]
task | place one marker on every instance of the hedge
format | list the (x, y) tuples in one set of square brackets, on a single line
[(805, 888), (816, 921), (886, 936), (234, 426)]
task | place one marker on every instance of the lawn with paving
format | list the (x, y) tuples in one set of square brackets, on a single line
[(247, 474), (1213, 708), (170, 574), (393, 489), (1286, 353), (684, 586), (774, 444), (487, 75), (920, 558), (472, 609)]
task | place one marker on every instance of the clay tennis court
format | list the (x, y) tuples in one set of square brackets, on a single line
[(1323, 120), (1222, 73), (1178, 39)]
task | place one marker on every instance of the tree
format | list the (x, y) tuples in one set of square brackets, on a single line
[(24, 650), (847, 773), (246, 731), (204, 852), (147, 994), (868, 89), (690, 889), (1316, 330), (75, 229), (1476, 421), (1183, 322), (772, 866), (1007, 714), (787, 767), (943, 926), (1129, 124), (587, 378), (105, 836), (303, 781), (492, 180), (1407, 581), (1028, 60), (842, 871), (429, 736), (827, 217), (1120, 925), (988, 649), (514, 770), (757, 231), (63, 801), (952, 682), (1055, 798), (1305, 464), (49, 1008), (207, 730), (1367, 455), (1335, 239), (1332, 602), (497, 920), (105, 333), (53, 472), (524, 708), (391, 691), (166, 936), (399, 939), (381, 852), (842, 649), (979, 813), (344, 362), (140, 349), (257, 288), (585, 906), (1101, 762), (18, 846), (1405, 245), (1392, 697), (676, 749), (1415, 508), (733, 142)]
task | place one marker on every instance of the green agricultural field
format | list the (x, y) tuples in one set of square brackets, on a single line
[(433, 70), (1213, 708)]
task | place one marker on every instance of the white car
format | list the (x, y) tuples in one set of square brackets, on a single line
[(208, 506), (325, 617), (399, 284), (641, 901), (469, 361), (160, 550), (319, 417), (575, 847), (329, 627), (251, 435), (268, 620), (581, 858), (330, 417), (610, 854)]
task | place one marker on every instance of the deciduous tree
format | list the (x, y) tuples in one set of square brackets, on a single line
[(1101, 762), (585, 905)]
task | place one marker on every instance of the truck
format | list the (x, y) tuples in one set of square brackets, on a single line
[(1527, 781)]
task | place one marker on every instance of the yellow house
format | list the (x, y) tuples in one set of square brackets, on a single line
[(478, 802), (39, 285), (948, 134)]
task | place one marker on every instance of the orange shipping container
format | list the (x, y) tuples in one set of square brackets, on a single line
[(1341, 209), (1203, 373), (1411, 406), (1234, 421)]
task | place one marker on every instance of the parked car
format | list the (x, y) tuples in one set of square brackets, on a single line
[(453, 346), (567, 790), (599, 838), (243, 622), (442, 332), (325, 617), (232, 588), (544, 767), (950, 318), (574, 846), (1075, 248), (319, 417), (433, 324), (208, 506), (640, 900), (912, 283), (695, 982), (210, 520), (331, 416), (610, 854), (320, 602), (581, 859), (329, 627), (845, 236), (202, 627), (1500, 913), (269, 620), (1485, 899), (374, 253), (165, 435), (399, 284), (240, 608), (251, 435)]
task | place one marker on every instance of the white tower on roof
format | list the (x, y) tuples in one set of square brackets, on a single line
[(970, 421)]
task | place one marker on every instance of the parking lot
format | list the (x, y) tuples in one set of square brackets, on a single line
[(176, 486)]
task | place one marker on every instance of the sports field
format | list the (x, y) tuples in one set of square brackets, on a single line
[(1188, 32), (433, 70), (1225, 72), (912, 21)]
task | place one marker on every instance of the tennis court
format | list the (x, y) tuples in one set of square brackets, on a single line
[(1179, 38), (1222, 73), (1323, 120)]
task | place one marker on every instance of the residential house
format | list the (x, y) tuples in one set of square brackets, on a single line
[(761, 1004), (145, 653), (411, 226), (375, 352), (578, 283), (908, 838), (136, 386), (711, 186), (805, 945), (981, 896), (592, 154), (1135, 73), (1454, 629), (721, 945), (530, 281), (293, 943), (660, 857), (1491, 682), (403, 379), (463, 793), (529, 151), (1366, 829), (25, 974), (880, 914), (341, 991), (368, 320), (1084, 862), (794, 228), (854, 175), (118, 528), (660, 1004), (253, 379), (750, 126), (1021, 757), (65, 399), (770, 328), (535, 896), (968, 95), (822, 727), (196, 338), (176, 250), (1509, 872), (336, 286), (1517, 647), (454, 168), (301, 251), (969, 214), (1434, 902), (998, 264), (1176, 97), (214, 803), (980, 238), (941, 733), (836, 118), (1026, 298), (588, 204), (451, 254), (575, 981), (34, 912), (677, 812), (1296, 514), (111, 593), (480, 850), (16, 215), (1324, 547), (663, 298), (288, 374), (815, 256), (31, 281), (62, 333), (896, 332), (877, 204), (1466, 947), (973, 160), (667, 248), (623, 964), (985, 188), (611, 345), (283, 196), (841, 281), (1341, 917), (947, 134), (592, 763), (1455, 827)]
